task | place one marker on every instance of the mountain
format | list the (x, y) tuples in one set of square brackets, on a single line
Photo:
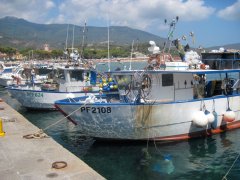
[(227, 46), (20, 33)]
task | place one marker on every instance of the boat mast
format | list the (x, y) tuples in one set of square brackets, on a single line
[(130, 67), (66, 42), (73, 41), (83, 39), (172, 27), (109, 67)]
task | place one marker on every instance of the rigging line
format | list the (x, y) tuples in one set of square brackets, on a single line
[(225, 176), (64, 117)]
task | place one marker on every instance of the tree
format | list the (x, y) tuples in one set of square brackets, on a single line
[(8, 50)]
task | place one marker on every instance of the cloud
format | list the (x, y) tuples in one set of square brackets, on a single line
[(32, 10), (139, 14), (231, 12), (49, 4)]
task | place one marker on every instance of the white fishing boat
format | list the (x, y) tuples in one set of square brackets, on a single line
[(160, 104), (6, 71), (67, 81), (19, 75)]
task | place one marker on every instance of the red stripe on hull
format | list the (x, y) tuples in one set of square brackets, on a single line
[(207, 132), (68, 117)]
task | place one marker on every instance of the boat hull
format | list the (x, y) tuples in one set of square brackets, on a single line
[(153, 121), (5, 82), (43, 100)]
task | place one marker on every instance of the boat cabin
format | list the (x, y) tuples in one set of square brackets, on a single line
[(169, 86), (73, 79), (221, 60)]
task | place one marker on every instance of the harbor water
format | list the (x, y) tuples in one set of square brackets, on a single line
[(211, 158)]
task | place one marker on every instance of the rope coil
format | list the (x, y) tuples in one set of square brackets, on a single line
[(39, 135)]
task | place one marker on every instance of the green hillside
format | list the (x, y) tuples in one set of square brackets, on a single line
[(20, 33)]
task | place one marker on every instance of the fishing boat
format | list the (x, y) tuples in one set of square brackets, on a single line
[(66, 81), (20, 75), (162, 105), (6, 71)]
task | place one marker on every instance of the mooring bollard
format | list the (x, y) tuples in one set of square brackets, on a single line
[(2, 133)]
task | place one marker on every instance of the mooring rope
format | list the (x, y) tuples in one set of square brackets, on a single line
[(64, 117), (225, 176), (41, 134)]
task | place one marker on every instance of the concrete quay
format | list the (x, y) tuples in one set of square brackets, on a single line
[(34, 158)]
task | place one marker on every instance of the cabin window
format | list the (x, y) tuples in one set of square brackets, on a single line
[(167, 80), (76, 75), (60, 74)]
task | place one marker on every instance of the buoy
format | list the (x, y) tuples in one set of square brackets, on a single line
[(200, 119), (214, 123), (210, 116), (229, 116), (202, 66), (105, 84), (2, 133)]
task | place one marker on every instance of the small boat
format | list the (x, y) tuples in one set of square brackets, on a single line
[(162, 105), (19, 76), (6, 72)]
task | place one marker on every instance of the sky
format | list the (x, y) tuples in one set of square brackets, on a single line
[(213, 22)]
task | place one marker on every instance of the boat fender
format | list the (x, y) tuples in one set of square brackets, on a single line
[(214, 123), (200, 119), (210, 116), (229, 116)]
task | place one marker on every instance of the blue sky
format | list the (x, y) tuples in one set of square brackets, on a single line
[(214, 22)]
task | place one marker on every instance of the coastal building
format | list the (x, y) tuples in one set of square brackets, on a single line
[(46, 47)]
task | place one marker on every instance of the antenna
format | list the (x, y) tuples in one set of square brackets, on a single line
[(193, 37)]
